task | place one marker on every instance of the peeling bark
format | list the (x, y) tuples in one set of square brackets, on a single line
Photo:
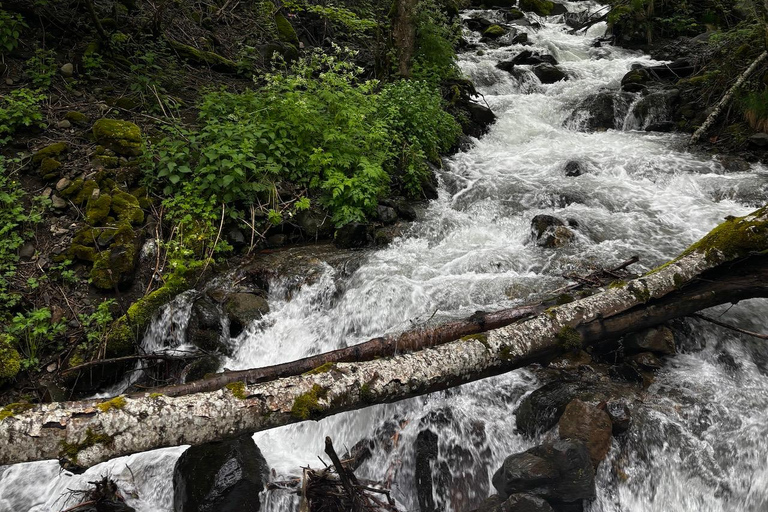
[(729, 264)]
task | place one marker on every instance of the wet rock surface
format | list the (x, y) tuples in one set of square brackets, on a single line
[(586, 423)]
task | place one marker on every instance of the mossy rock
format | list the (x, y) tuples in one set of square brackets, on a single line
[(494, 32), (77, 118), (285, 30), (113, 268), (49, 168), (127, 208), (53, 151), (10, 360), (82, 253), (98, 209), (122, 137), (514, 14), (106, 161), (86, 192), (540, 7), (72, 189), (216, 61)]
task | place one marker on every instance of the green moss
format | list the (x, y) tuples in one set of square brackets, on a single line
[(116, 403), (569, 338), (540, 7), (106, 161), (10, 360), (52, 151), (82, 253), (72, 450), (155, 395), (365, 393), (494, 31), (564, 299), (98, 209), (127, 208), (678, 280), (13, 409), (113, 266), (238, 390), (285, 30), (306, 406), (323, 368), (73, 188), (481, 337), (203, 57), (641, 293), (515, 14), (49, 166), (85, 192), (77, 118), (122, 137), (617, 284)]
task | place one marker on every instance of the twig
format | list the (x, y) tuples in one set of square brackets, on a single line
[(100, 362), (731, 327)]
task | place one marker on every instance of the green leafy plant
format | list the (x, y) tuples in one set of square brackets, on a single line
[(33, 332), (19, 109), (12, 219), (96, 325), (11, 25), (41, 68)]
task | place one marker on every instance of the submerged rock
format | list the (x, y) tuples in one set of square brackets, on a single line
[(520, 502), (574, 168), (220, 477), (244, 308), (549, 74), (660, 340), (550, 232)]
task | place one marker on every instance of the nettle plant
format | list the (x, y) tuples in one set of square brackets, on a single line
[(11, 25)]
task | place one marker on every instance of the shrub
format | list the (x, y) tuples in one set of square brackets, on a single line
[(33, 333), (19, 109), (11, 25)]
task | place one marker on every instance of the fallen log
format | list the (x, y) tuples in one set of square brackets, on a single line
[(727, 265)]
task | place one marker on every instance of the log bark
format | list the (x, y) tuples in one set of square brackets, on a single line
[(728, 265), (711, 118)]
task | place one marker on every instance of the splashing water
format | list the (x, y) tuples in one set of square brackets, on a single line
[(700, 441)]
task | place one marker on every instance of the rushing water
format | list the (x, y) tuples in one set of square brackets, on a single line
[(700, 442)]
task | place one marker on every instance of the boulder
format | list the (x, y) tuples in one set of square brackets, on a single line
[(550, 232), (759, 140), (662, 126), (204, 327), (540, 7), (586, 423), (67, 70), (520, 502), (680, 68), (494, 32), (220, 477), (386, 214), (314, 224), (527, 57), (600, 110), (560, 472), (521, 38), (353, 235), (122, 137), (558, 9), (635, 80), (549, 74), (513, 14), (645, 361), (573, 168), (480, 119), (244, 308), (477, 24), (660, 340)]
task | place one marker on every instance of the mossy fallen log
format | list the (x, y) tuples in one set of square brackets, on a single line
[(728, 265)]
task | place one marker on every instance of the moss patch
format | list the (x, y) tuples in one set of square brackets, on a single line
[(122, 137), (569, 338), (306, 406), (238, 390), (285, 30), (116, 403), (494, 31), (127, 208), (540, 7), (323, 368), (13, 409), (77, 118), (71, 450), (10, 360), (98, 209), (52, 151)]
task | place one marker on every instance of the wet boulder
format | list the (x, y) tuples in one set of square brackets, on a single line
[(573, 168), (513, 14), (204, 328), (758, 141), (244, 308), (550, 232), (549, 74), (478, 24), (527, 57), (560, 472), (660, 340), (353, 235), (540, 7), (223, 476), (680, 68), (558, 9), (596, 112), (494, 32), (645, 361), (635, 80), (480, 119), (586, 423), (520, 502), (621, 416), (655, 107)]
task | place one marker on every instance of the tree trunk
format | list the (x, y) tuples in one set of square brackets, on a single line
[(728, 265), (404, 35)]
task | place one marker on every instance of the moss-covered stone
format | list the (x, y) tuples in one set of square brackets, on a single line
[(98, 209), (307, 405), (72, 189), (86, 192), (494, 32), (10, 360), (106, 161), (214, 60), (116, 403), (126, 207), (540, 7), (122, 137), (53, 151), (285, 30), (114, 267), (82, 253), (71, 450), (77, 118), (49, 167)]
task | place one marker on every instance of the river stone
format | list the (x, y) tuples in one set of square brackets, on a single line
[(477, 24), (588, 424), (645, 361), (67, 70), (204, 327), (220, 477), (550, 232), (481, 117), (759, 140), (635, 80), (353, 235), (660, 340), (560, 472), (386, 214), (244, 308), (27, 251), (573, 169), (620, 415), (548, 74)]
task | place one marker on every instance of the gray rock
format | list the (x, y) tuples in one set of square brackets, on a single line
[(62, 184), (220, 477), (244, 308), (353, 235), (548, 74), (63, 124), (58, 202), (645, 361), (386, 214), (620, 415), (573, 169), (560, 472), (759, 140), (68, 69), (660, 340), (27, 251), (550, 232)]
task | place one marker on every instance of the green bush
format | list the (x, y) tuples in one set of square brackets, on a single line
[(12, 218), (19, 109), (434, 57), (33, 333)]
